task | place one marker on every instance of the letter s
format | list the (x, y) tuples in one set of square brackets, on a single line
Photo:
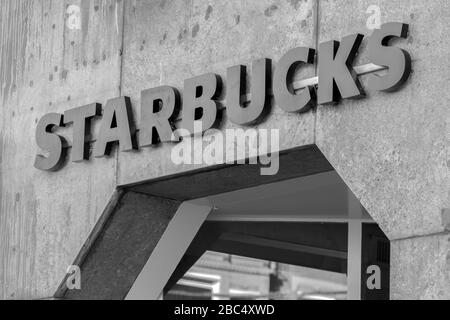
[(50, 142), (397, 60)]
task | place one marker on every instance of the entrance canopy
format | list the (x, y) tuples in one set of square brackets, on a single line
[(142, 217)]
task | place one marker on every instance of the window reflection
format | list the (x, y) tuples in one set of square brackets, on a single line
[(218, 276)]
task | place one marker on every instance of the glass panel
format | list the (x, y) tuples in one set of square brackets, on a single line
[(375, 263), (221, 276)]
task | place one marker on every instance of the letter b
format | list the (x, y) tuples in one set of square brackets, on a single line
[(199, 101)]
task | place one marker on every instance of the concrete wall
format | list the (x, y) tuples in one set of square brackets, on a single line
[(391, 148), (48, 67)]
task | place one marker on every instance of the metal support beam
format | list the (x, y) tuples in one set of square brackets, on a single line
[(281, 245), (355, 211), (170, 250)]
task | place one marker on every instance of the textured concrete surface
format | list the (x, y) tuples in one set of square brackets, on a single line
[(420, 268), (392, 149), (190, 38), (47, 67)]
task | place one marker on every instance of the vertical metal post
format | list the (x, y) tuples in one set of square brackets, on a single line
[(354, 248), (354, 260)]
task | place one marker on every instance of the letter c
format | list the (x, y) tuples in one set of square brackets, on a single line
[(283, 90)]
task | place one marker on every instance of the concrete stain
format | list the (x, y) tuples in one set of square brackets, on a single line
[(164, 37), (182, 34), (64, 74), (195, 30), (270, 10), (295, 3), (209, 10)]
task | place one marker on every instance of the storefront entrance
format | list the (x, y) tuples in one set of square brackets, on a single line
[(300, 239), (228, 232)]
